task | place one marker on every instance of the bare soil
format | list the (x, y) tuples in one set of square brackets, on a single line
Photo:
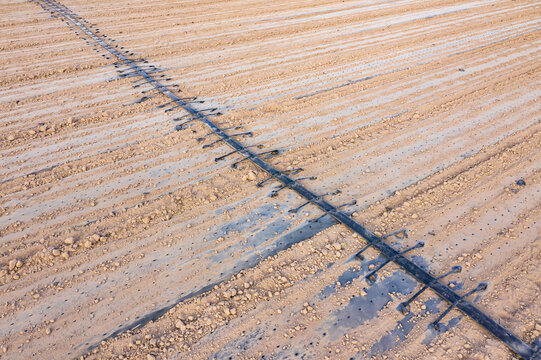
[(425, 112)]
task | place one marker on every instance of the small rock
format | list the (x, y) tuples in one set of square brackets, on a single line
[(414, 216), (48, 331), (68, 241), (538, 327), (11, 137), (337, 246), (87, 244), (521, 182), (12, 264), (151, 357), (251, 176), (56, 252), (180, 325)]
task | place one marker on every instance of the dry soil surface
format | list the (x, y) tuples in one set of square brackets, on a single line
[(425, 112)]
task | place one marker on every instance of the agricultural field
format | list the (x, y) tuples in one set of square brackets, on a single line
[(138, 219)]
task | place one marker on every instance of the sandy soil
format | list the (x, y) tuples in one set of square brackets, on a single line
[(426, 113)]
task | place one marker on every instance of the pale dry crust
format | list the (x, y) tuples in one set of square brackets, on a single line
[(295, 294), (120, 209)]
